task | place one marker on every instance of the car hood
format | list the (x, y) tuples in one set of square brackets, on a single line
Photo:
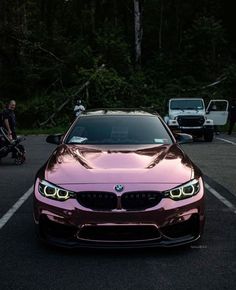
[(175, 113), (73, 164)]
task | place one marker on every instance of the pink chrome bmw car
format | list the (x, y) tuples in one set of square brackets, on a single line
[(119, 178)]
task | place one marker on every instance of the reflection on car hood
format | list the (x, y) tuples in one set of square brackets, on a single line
[(71, 164)]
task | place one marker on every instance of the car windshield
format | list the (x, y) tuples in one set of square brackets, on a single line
[(186, 105), (118, 130)]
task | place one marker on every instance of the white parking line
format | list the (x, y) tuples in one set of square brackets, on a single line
[(15, 207), (221, 198), (225, 140)]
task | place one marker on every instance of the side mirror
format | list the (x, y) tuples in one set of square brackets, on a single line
[(54, 139), (183, 138)]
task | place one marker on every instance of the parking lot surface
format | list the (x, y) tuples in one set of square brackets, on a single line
[(209, 264)]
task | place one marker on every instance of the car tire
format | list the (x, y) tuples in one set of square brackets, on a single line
[(208, 136)]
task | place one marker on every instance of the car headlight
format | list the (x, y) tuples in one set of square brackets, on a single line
[(184, 191), (51, 191)]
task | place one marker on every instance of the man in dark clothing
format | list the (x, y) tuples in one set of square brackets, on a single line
[(232, 117), (9, 120)]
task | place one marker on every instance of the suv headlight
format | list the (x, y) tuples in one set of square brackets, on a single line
[(184, 191), (54, 192)]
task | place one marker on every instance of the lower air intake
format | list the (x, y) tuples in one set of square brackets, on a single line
[(119, 233)]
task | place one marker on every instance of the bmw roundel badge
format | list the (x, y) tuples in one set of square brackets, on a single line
[(119, 187)]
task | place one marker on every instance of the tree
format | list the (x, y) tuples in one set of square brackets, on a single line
[(138, 31)]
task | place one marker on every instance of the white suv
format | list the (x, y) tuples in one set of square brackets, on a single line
[(189, 115)]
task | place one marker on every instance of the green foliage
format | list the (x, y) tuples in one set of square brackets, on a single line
[(49, 49), (228, 88), (33, 111), (110, 87), (205, 43), (113, 50)]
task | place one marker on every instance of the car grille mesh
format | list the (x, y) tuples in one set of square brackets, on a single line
[(98, 200), (140, 200), (191, 121), (109, 201)]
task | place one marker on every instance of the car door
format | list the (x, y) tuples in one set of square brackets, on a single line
[(217, 110)]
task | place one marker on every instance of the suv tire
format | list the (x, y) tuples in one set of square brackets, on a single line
[(208, 135)]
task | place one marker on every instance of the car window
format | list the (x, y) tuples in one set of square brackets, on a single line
[(218, 106), (186, 105), (119, 130)]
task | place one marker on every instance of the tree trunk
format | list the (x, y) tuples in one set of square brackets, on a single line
[(24, 21), (178, 24), (161, 25), (92, 15), (137, 32), (115, 9)]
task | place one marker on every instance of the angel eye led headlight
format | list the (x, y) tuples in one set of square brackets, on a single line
[(51, 191), (187, 190)]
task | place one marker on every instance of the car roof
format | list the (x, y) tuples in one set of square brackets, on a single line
[(120, 111), (184, 99)]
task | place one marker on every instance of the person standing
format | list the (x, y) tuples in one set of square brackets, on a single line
[(79, 108), (232, 116), (9, 120)]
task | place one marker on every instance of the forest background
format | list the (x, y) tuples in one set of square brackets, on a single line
[(113, 53)]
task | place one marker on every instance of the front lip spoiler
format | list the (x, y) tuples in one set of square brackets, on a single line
[(162, 242), (80, 239)]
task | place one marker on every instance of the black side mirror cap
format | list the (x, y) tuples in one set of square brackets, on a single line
[(183, 138), (54, 139)]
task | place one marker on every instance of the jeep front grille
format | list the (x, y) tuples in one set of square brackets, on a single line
[(190, 121)]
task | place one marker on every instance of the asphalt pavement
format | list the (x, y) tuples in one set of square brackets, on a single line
[(209, 264)]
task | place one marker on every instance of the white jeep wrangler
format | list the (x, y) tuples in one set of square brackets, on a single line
[(188, 115)]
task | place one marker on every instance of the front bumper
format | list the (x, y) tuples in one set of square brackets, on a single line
[(194, 131), (170, 223)]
